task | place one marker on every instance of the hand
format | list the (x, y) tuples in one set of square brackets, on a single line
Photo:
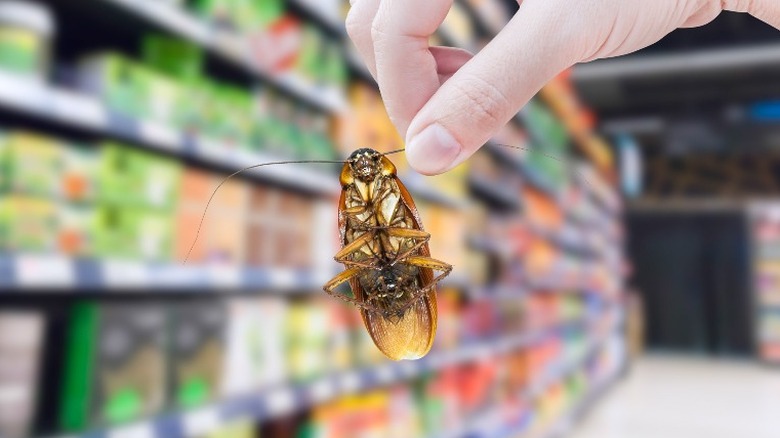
[(448, 102)]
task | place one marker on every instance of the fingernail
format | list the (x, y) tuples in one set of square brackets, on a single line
[(432, 150)]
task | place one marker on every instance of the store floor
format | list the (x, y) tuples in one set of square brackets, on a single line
[(679, 397)]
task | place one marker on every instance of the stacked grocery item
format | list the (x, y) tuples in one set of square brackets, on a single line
[(278, 41), (169, 87), (116, 201), (765, 230), (123, 361)]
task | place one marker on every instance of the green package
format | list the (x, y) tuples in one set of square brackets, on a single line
[(163, 104), (219, 11), (115, 365), (34, 163), (76, 229), (198, 349), (173, 56), (335, 72), (28, 223), (5, 170), (133, 89), (132, 233), (242, 15), (132, 177), (309, 61), (22, 50), (120, 82), (79, 176)]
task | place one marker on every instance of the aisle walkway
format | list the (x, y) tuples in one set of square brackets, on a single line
[(672, 397)]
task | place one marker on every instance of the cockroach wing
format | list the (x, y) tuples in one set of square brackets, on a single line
[(409, 338), (412, 336)]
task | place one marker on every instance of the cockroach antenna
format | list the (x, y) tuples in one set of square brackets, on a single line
[(522, 148), (394, 151), (205, 210), (552, 157)]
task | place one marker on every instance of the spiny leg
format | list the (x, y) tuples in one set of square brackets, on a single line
[(431, 263), (409, 233), (356, 210), (341, 278), (353, 247), (426, 262)]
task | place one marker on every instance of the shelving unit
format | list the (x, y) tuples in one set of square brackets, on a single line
[(231, 46), (281, 400), (285, 399), (764, 223), (82, 112), (558, 342)]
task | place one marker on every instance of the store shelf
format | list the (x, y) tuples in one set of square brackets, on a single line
[(82, 112), (571, 243), (22, 272), (418, 187), (495, 193), (288, 398), (565, 423), (230, 47), (357, 66), (38, 271), (490, 245), (489, 423), (450, 39), (530, 175), (482, 25), (310, 9), (712, 61)]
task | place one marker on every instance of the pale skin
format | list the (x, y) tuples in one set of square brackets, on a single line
[(448, 102)]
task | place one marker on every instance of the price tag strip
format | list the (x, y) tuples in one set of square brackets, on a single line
[(34, 270), (138, 430), (322, 390), (201, 422), (280, 401)]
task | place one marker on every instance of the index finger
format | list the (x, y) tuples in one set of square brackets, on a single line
[(405, 67)]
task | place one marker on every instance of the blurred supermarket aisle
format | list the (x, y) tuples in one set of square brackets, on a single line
[(684, 397)]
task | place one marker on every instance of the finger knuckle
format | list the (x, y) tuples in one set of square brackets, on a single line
[(379, 28), (484, 101), (354, 25)]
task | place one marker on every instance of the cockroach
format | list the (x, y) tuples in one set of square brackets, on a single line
[(384, 250)]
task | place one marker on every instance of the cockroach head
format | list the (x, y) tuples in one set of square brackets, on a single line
[(365, 164)]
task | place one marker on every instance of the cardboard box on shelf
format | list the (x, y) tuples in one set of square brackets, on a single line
[(198, 347), (115, 367)]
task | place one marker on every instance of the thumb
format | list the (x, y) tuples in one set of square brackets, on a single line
[(489, 89)]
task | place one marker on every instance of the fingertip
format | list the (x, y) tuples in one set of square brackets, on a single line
[(433, 150)]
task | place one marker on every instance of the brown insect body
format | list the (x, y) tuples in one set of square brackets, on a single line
[(385, 252)]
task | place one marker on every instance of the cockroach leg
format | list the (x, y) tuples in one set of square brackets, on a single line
[(431, 263), (353, 247), (339, 279), (359, 264), (409, 233), (358, 209)]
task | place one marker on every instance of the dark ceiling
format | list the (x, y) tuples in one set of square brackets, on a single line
[(733, 60)]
